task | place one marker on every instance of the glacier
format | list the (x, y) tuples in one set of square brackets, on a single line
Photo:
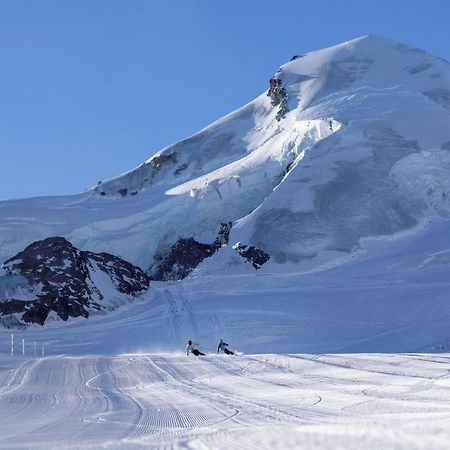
[(336, 179), (349, 183), (362, 152), (309, 229)]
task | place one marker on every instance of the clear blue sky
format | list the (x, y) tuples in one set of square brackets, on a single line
[(91, 88)]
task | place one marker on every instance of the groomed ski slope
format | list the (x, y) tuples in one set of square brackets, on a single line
[(368, 401)]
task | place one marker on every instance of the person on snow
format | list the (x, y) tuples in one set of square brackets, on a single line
[(191, 347), (223, 347)]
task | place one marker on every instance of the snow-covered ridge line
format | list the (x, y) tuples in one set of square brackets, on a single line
[(277, 154)]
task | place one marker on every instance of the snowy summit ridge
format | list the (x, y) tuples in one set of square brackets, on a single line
[(349, 143)]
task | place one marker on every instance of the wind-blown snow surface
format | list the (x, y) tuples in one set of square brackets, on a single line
[(217, 402)]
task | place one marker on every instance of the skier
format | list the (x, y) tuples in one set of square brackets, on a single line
[(223, 347), (191, 347)]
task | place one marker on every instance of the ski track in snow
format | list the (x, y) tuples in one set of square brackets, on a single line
[(242, 402)]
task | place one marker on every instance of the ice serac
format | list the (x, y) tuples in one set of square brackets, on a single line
[(185, 191), (347, 143), (60, 278), (387, 169)]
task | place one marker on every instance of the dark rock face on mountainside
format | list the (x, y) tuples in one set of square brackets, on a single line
[(143, 176), (253, 255), (68, 281), (186, 254), (278, 97)]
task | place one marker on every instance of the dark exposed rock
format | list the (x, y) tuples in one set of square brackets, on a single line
[(63, 280), (186, 254), (126, 277), (252, 254), (143, 176), (278, 96), (289, 166), (31, 310), (180, 169), (286, 171), (223, 235), (159, 161)]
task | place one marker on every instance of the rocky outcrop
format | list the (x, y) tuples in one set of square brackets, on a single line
[(186, 254), (141, 177), (68, 281), (181, 169), (163, 160), (278, 97), (253, 255)]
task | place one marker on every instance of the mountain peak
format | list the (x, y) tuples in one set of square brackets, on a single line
[(372, 37), (369, 42), (368, 62), (369, 94)]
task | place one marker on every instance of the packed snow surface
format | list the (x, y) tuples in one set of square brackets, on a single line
[(142, 401)]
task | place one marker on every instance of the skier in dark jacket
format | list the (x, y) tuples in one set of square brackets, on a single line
[(191, 347), (223, 347)]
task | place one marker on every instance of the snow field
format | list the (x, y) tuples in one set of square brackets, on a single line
[(138, 401), (392, 298)]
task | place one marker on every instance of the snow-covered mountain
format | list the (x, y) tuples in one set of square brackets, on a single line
[(52, 276), (348, 145)]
